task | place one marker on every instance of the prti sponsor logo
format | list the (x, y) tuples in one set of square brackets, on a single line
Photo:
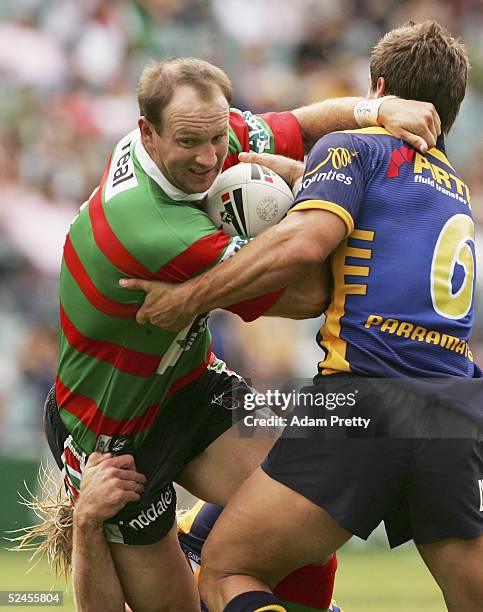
[(155, 511), (428, 173), (337, 157)]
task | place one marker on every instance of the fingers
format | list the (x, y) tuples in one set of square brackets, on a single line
[(135, 284), (124, 462), (132, 476), (131, 496), (95, 458), (130, 485), (141, 316), (434, 121), (416, 141), (126, 469), (253, 158)]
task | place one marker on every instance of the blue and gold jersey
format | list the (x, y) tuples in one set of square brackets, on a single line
[(402, 300)]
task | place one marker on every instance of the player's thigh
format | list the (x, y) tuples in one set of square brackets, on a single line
[(457, 566), (224, 465), (267, 530), (156, 577)]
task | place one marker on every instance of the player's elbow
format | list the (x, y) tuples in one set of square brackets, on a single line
[(312, 304), (306, 253), (299, 248), (316, 308)]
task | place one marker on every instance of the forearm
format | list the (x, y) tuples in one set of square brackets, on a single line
[(324, 117), (275, 259), (96, 585), (270, 262)]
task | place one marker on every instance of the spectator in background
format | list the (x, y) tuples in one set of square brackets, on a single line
[(56, 89)]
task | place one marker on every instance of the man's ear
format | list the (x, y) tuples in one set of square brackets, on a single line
[(380, 87), (147, 131)]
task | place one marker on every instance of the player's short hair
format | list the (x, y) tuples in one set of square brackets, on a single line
[(159, 80), (422, 61)]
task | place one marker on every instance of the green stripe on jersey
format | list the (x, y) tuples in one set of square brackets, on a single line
[(234, 145), (151, 226), (103, 274)]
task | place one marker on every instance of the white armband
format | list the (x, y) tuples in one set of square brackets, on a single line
[(366, 112)]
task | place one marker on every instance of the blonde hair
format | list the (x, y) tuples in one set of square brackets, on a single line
[(52, 536)]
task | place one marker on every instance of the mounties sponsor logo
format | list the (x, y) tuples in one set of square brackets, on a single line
[(337, 157), (155, 511), (332, 175)]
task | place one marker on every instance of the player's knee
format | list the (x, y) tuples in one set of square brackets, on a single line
[(213, 569)]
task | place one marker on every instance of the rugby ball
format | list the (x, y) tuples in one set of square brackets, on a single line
[(247, 199)]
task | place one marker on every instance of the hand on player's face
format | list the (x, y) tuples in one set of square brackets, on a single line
[(108, 484), (415, 122), (165, 304)]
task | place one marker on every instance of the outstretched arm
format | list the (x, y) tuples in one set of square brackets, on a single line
[(415, 122), (108, 483), (273, 260)]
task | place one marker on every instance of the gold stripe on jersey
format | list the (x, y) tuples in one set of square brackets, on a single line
[(186, 520), (359, 234), (331, 207), (334, 345), (367, 130), (380, 130), (440, 156), (271, 608)]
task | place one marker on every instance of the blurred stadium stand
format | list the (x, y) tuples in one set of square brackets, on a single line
[(68, 73)]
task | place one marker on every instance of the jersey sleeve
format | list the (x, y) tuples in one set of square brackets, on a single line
[(205, 247), (278, 133), (250, 309), (335, 177)]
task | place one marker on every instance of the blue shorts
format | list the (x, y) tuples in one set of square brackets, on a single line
[(424, 488)]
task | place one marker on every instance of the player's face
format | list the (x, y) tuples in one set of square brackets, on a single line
[(193, 142)]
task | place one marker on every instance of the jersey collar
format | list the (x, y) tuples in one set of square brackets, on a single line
[(148, 165), (440, 143)]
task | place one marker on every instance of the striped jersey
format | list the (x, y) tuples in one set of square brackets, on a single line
[(403, 278), (115, 374)]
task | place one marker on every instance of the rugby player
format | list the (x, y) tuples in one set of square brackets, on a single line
[(105, 491), (128, 389), (398, 227)]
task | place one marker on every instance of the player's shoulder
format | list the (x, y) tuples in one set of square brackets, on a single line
[(366, 136), (122, 177), (346, 146)]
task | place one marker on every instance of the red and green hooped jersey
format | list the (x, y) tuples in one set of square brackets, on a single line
[(115, 374)]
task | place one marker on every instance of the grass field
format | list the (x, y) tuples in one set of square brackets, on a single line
[(368, 580)]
